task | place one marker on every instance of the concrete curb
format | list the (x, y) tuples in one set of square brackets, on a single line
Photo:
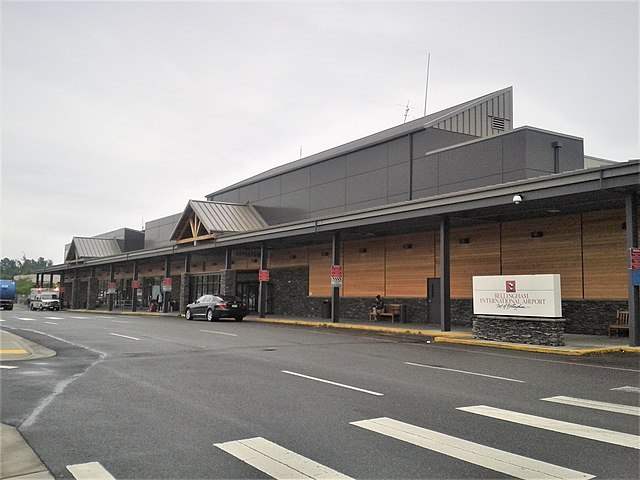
[(15, 348), (18, 460)]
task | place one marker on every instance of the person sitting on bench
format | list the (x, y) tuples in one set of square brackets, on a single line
[(377, 308)]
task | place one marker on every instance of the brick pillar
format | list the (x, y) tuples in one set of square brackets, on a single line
[(184, 291), (228, 282), (75, 292), (92, 293)]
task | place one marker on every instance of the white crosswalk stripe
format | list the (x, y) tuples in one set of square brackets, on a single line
[(276, 461), (608, 407), (583, 431), (89, 471), (498, 460), (628, 389)]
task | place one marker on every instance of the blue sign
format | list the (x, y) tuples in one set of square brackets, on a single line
[(635, 277)]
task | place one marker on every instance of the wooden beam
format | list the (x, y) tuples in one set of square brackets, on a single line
[(209, 236)]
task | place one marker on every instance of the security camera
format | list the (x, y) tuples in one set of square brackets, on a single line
[(517, 199)]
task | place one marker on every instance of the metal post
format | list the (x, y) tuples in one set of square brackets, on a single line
[(631, 207), (112, 279), (134, 300), (62, 290), (167, 274), (51, 280), (262, 288), (445, 276), (228, 259), (335, 291)]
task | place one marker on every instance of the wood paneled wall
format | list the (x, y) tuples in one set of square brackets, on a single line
[(605, 257), (587, 250), (410, 260), (481, 256), (558, 251), (363, 263), (289, 257), (320, 257)]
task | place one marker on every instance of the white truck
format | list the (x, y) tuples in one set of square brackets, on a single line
[(44, 299)]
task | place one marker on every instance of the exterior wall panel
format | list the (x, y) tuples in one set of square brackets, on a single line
[(558, 251), (407, 269)]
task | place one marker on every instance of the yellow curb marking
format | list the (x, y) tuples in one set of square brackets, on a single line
[(13, 352)]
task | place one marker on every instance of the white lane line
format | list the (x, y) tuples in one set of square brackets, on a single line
[(498, 460), (333, 383), (464, 371), (608, 407), (51, 323), (219, 333), (54, 318), (123, 336), (89, 471), (577, 430), (276, 461), (80, 318), (120, 321), (628, 389), (26, 319), (8, 367), (2, 320)]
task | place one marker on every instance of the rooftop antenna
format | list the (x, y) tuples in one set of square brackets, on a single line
[(406, 110), (426, 88)]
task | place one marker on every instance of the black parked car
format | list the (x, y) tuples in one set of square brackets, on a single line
[(214, 307)]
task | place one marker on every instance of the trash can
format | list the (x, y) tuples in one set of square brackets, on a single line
[(403, 314), (326, 309)]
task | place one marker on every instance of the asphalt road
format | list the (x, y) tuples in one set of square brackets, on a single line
[(159, 397)]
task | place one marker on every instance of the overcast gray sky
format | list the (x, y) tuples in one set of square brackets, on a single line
[(118, 113)]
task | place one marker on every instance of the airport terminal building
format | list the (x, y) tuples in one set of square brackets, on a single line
[(411, 213)]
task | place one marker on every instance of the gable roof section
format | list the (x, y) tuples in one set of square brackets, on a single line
[(202, 220), (85, 248), (501, 98)]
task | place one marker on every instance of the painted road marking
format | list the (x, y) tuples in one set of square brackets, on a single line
[(26, 319), (124, 336), (7, 367), (464, 371), (333, 383), (609, 407), (276, 461), (14, 352), (584, 431), (51, 323), (80, 318), (54, 318), (498, 460), (89, 471), (119, 321), (494, 459), (628, 389), (219, 333)]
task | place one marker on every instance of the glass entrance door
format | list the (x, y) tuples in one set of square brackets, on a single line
[(248, 293)]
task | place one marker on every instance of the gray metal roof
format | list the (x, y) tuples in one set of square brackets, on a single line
[(84, 247), (394, 132), (220, 217)]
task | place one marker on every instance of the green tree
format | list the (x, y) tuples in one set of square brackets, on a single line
[(9, 267)]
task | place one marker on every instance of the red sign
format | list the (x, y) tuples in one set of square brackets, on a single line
[(263, 275), (634, 256), (135, 284), (111, 289), (167, 284), (336, 271)]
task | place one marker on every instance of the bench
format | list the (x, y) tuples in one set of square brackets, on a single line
[(392, 311), (622, 322)]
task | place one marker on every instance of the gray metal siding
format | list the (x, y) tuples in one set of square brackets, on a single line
[(398, 180), (366, 187), (328, 171), (326, 196)]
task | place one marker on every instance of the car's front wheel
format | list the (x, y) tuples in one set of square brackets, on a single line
[(238, 319), (210, 317), (188, 315)]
